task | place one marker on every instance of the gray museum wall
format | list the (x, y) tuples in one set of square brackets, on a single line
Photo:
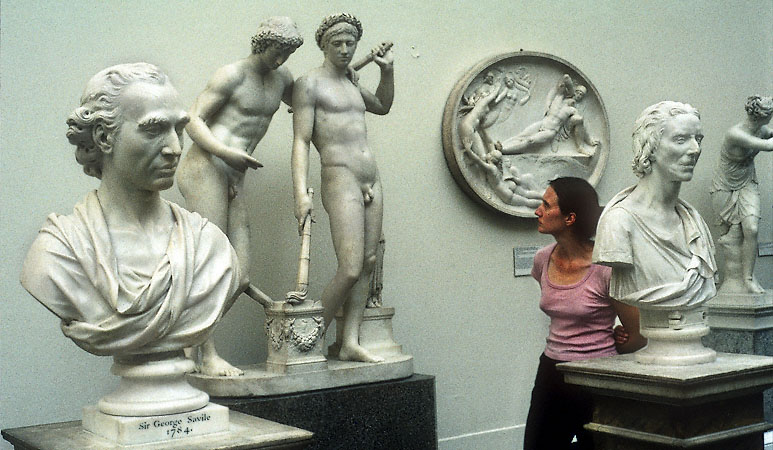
[(448, 265)]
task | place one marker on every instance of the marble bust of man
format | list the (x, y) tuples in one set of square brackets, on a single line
[(127, 272), (658, 245)]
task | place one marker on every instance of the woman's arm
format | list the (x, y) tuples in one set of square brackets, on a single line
[(629, 317)]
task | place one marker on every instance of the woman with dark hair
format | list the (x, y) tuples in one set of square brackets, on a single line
[(575, 295)]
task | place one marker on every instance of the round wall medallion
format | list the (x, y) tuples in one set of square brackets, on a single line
[(516, 121)]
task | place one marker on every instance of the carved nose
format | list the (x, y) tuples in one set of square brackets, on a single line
[(172, 146)]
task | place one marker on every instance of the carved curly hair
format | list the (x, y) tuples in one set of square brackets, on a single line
[(649, 128), (334, 19), (759, 107), (99, 107), (276, 30)]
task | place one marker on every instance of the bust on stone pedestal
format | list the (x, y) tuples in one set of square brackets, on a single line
[(658, 246), (129, 274)]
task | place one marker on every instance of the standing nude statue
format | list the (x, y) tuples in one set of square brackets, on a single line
[(735, 194), (329, 111), (228, 120), (561, 121)]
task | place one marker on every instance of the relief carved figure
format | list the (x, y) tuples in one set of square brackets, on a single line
[(517, 91), (658, 246), (228, 120), (329, 111), (735, 195), (562, 121), (507, 182), (129, 274), (494, 149)]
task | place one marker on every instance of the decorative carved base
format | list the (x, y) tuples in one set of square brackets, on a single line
[(712, 406), (295, 337), (147, 429), (376, 333)]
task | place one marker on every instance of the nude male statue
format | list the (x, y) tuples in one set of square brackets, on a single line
[(561, 121), (329, 111), (735, 194), (228, 119)]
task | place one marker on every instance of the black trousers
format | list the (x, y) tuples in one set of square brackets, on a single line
[(557, 413)]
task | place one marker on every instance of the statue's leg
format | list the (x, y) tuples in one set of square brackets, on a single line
[(749, 254), (354, 307), (342, 199), (205, 189)]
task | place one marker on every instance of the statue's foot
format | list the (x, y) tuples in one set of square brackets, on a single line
[(215, 366), (358, 353), (753, 287)]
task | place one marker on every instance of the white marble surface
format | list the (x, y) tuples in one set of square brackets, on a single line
[(148, 429), (258, 381)]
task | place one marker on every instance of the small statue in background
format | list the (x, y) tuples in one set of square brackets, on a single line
[(735, 195)]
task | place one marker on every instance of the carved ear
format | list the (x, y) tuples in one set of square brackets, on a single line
[(103, 139)]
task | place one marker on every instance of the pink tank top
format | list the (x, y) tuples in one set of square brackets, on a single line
[(581, 314)]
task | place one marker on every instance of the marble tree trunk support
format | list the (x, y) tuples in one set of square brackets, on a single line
[(658, 246), (228, 120), (129, 274)]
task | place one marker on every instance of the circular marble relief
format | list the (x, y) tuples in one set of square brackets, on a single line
[(516, 121)]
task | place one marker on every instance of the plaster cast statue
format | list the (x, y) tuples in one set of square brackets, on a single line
[(658, 246), (228, 120), (329, 111), (735, 194), (128, 273), (561, 121)]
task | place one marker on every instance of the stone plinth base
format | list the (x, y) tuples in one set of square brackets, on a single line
[(259, 381), (743, 323), (712, 406), (388, 415), (128, 430), (747, 312), (376, 333), (244, 433)]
